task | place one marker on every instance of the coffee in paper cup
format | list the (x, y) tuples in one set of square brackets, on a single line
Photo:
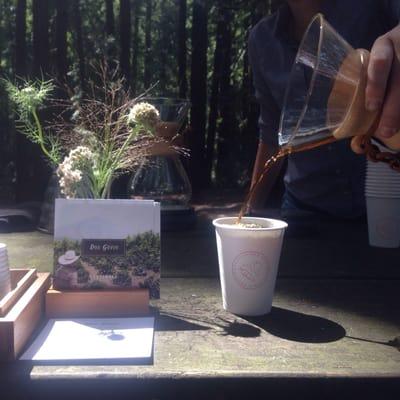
[(248, 256)]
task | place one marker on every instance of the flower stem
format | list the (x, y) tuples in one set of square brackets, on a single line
[(40, 137), (114, 165)]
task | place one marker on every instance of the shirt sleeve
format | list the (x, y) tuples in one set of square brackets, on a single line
[(393, 10), (268, 121)]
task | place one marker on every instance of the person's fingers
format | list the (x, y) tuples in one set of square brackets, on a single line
[(357, 145), (389, 122), (379, 67)]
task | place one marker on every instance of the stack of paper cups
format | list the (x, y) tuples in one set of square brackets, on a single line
[(382, 192), (5, 282)]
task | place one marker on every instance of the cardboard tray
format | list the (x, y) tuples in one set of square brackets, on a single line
[(24, 314)]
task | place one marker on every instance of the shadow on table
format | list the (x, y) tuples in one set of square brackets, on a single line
[(375, 300), (299, 327), (165, 322)]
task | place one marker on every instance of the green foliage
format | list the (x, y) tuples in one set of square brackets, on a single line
[(28, 100), (144, 251), (97, 45), (122, 279)]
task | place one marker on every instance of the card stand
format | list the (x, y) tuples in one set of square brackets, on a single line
[(21, 310), (97, 303)]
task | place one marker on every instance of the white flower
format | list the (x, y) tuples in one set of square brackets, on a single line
[(87, 138), (29, 90), (144, 114), (79, 163), (81, 157), (69, 178), (32, 95)]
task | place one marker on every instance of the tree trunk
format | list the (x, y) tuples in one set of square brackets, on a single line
[(214, 96), (163, 52), (135, 46), (198, 95), (226, 131), (61, 39), (7, 66), (7, 151), (182, 49), (32, 168), (110, 25), (250, 108), (147, 51), (40, 9), (125, 38), (110, 45), (1, 33), (20, 39), (76, 12)]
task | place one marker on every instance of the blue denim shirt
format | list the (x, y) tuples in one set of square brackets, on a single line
[(330, 178)]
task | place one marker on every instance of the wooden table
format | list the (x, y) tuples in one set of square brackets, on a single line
[(332, 331), (321, 335)]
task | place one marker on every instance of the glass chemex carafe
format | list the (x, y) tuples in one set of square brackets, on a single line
[(162, 177), (325, 97)]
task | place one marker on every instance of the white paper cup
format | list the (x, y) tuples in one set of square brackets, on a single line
[(383, 216), (248, 263), (5, 279), (377, 193), (382, 193)]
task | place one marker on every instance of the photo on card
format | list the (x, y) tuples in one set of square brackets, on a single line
[(107, 244)]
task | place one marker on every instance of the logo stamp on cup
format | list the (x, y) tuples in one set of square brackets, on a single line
[(250, 269)]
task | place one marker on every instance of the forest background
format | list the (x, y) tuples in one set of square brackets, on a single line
[(194, 49)]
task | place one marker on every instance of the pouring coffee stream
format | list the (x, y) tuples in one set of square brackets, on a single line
[(285, 151), (325, 101)]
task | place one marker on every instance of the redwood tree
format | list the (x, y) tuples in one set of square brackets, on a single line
[(110, 48), (61, 39), (227, 134), (32, 169), (40, 28), (135, 46), (125, 37), (148, 44), (198, 95), (215, 88), (110, 25), (20, 39), (163, 51), (182, 48), (78, 40)]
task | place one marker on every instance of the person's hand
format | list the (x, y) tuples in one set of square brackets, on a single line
[(383, 85)]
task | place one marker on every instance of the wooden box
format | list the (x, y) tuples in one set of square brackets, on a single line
[(23, 310), (96, 303), (21, 279)]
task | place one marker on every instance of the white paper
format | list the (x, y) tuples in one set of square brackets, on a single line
[(93, 338), (104, 219)]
